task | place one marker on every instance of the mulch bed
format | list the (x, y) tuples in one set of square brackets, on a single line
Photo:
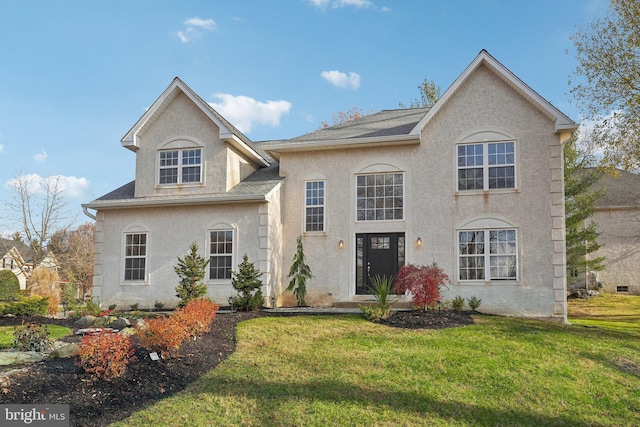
[(99, 403)]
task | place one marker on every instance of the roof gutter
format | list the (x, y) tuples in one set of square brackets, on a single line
[(144, 203)]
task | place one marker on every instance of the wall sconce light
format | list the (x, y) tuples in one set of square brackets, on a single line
[(341, 244), (419, 242)]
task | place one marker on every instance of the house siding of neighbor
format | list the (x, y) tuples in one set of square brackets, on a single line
[(618, 217), (475, 184)]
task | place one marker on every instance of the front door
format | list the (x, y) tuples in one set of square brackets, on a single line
[(377, 254)]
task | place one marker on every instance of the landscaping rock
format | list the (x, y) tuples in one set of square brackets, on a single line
[(85, 322), (127, 332), (67, 351), (15, 357), (93, 331), (120, 323), (140, 324)]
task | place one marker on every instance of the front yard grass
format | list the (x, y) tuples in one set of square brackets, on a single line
[(7, 337), (343, 370), (609, 311)]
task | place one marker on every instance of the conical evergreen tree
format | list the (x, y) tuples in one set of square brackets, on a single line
[(248, 283), (299, 273), (191, 271)]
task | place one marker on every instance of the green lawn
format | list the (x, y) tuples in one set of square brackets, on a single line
[(342, 370), (6, 334), (614, 312)]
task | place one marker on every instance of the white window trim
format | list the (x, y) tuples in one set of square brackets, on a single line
[(324, 206), (404, 196), (179, 166), (135, 282), (234, 246), (486, 166), (487, 257)]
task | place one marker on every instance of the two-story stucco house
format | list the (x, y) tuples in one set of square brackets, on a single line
[(475, 184)]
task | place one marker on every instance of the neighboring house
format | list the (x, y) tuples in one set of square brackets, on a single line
[(17, 257), (475, 184), (618, 217), (12, 260)]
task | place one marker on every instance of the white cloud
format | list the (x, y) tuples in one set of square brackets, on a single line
[(41, 157), (245, 112), (205, 24), (323, 4), (71, 186), (1, 146), (193, 24), (340, 79)]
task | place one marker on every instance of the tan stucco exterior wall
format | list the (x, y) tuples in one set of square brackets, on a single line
[(183, 125), (187, 224), (620, 245), (484, 107)]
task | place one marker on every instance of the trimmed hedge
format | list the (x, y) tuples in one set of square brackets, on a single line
[(9, 286), (28, 306)]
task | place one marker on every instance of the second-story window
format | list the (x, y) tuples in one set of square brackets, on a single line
[(180, 166), (380, 196), (486, 166)]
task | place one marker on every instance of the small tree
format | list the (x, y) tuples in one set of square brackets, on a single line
[(299, 273), (247, 282), (191, 271), (424, 283)]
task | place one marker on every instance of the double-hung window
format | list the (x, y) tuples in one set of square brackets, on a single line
[(314, 206), (135, 256), (486, 166), (220, 254), (180, 166), (380, 196), (487, 255)]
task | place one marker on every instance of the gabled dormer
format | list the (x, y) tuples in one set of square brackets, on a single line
[(183, 146)]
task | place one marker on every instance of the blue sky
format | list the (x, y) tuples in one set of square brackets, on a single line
[(76, 75)]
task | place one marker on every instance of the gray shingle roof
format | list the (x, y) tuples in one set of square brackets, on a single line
[(381, 124), (623, 189), (261, 182)]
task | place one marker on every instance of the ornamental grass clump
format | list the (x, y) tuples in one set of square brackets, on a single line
[(382, 290), (105, 355), (424, 283)]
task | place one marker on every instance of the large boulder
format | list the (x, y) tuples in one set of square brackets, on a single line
[(65, 352), (85, 321), (120, 323), (15, 357)]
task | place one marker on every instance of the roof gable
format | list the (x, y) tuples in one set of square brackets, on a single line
[(563, 124), (228, 132)]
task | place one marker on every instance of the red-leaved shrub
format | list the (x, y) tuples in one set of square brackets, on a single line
[(105, 355), (197, 315), (424, 283), (163, 334)]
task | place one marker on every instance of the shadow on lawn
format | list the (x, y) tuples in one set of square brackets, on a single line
[(425, 407)]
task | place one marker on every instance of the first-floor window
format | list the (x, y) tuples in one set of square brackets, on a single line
[(487, 255), (135, 256), (220, 254), (314, 206)]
